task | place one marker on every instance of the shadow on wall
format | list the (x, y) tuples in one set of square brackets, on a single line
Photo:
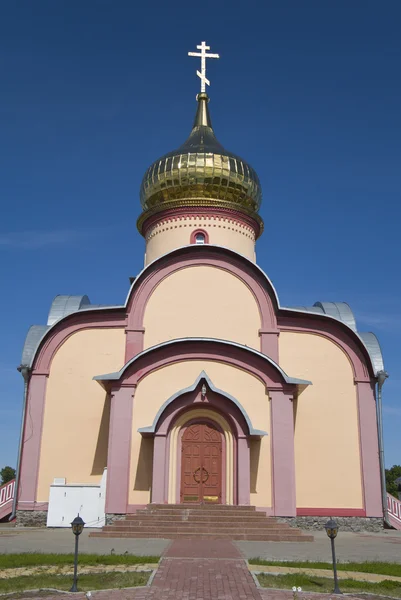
[(143, 477), (100, 458), (254, 451)]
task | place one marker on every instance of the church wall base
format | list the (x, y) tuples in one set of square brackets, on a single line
[(112, 517), (372, 524), (31, 518)]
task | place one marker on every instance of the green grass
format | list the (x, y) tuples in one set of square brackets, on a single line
[(320, 584), (95, 581), (380, 568), (35, 559)]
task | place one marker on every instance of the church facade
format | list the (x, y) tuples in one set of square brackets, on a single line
[(201, 387)]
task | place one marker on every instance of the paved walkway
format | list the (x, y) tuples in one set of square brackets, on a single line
[(197, 570)]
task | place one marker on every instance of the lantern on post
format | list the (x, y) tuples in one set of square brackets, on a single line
[(77, 526), (331, 528)]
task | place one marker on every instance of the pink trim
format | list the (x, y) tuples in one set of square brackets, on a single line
[(331, 512), (244, 471), (160, 469), (214, 350), (283, 454), (369, 450), (29, 470), (32, 505), (119, 452), (192, 239), (173, 214)]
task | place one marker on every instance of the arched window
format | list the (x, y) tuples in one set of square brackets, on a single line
[(199, 236)]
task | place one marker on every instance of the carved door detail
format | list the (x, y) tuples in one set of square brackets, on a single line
[(201, 464)]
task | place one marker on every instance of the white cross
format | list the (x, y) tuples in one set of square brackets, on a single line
[(203, 56)]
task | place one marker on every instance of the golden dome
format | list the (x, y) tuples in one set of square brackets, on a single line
[(200, 173)]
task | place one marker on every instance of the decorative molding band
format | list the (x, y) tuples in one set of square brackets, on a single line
[(331, 512)]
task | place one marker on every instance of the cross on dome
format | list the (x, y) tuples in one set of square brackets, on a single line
[(203, 56)]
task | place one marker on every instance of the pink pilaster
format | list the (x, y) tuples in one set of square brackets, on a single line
[(283, 457), (369, 447), (29, 470), (159, 469), (269, 343), (244, 471), (133, 342), (118, 459)]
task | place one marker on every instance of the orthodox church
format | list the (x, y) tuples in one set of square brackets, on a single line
[(200, 388)]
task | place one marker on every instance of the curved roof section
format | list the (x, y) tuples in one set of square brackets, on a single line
[(63, 306), (66, 305), (33, 337), (202, 377), (118, 374)]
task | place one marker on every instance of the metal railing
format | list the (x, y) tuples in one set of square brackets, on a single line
[(6, 498), (394, 511)]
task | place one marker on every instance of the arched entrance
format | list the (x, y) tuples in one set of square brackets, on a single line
[(201, 463)]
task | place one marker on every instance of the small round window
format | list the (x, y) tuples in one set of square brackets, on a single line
[(200, 238)]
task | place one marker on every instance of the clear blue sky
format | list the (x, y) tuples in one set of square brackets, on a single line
[(93, 91)]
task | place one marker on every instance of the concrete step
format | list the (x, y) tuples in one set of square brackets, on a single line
[(181, 518), (190, 530), (199, 526), (207, 506), (201, 513), (197, 536)]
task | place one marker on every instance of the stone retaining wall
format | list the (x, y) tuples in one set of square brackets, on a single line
[(31, 518), (372, 524)]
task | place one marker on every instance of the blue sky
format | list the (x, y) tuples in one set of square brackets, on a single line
[(92, 92)]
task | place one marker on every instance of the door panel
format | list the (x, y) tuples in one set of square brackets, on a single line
[(201, 464)]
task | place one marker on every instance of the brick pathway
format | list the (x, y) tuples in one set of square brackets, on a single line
[(197, 570)]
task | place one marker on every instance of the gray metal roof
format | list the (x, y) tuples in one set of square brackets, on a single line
[(372, 344), (66, 305), (33, 337)]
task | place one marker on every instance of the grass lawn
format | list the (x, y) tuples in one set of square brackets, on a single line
[(380, 568), (320, 584), (33, 559), (95, 581)]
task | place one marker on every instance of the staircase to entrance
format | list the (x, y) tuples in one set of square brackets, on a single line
[(216, 521)]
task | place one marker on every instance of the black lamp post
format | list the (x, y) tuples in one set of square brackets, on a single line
[(77, 526), (332, 530)]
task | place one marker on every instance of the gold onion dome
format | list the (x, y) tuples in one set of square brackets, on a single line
[(201, 173)]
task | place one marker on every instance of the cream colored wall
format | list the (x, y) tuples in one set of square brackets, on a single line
[(74, 439), (158, 386), (175, 233), (202, 301), (327, 456)]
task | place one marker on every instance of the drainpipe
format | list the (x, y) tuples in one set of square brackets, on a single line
[(381, 378), (25, 372)]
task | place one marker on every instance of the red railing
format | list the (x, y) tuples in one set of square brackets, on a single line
[(6, 498), (394, 511)]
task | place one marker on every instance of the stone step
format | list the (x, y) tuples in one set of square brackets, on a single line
[(195, 518), (204, 512), (189, 532), (290, 537), (194, 527), (198, 524), (206, 506)]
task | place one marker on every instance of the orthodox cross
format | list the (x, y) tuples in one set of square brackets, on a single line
[(203, 56)]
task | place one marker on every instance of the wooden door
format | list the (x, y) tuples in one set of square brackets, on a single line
[(201, 464)]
